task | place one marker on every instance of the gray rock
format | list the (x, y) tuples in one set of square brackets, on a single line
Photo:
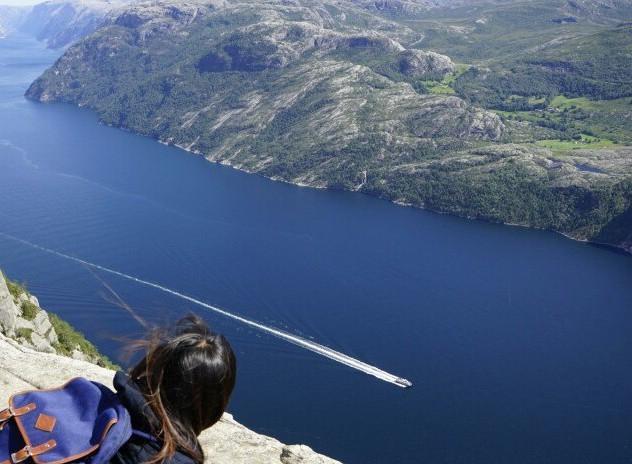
[(41, 343), (451, 116), (51, 335), (21, 323), (79, 355), (43, 335), (41, 323), (8, 309), (423, 64), (301, 454)]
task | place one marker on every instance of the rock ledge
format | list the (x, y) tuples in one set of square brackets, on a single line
[(25, 365)]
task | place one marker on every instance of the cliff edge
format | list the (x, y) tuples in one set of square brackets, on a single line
[(29, 359)]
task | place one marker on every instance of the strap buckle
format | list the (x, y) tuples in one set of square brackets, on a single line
[(30, 451), (21, 455), (6, 414)]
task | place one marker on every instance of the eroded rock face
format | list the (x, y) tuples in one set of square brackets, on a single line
[(364, 41), (8, 309), (247, 54), (22, 318), (398, 6), (273, 45), (444, 117), (425, 64)]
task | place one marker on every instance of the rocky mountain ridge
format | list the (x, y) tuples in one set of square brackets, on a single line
[(335, 95), (30, 358)]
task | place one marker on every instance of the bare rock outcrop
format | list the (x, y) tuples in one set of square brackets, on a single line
[(425, 64), (8, 309), (22, 318), (451, 116)]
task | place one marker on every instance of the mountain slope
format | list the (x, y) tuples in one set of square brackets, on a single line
[(337, 95)]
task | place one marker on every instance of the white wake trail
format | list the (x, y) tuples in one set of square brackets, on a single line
[(294, 339)]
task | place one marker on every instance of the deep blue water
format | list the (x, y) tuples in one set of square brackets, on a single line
[(518, 341)]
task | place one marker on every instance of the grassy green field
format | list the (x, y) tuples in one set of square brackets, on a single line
[(445, 86), (580, 121), (586, 141)]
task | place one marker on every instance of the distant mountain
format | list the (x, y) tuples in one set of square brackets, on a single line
[(598, 9), (10, 18), (508, 111), (61, 22)]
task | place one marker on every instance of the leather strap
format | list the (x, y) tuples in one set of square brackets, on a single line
[(21, 455), (5, 415), (29, 451), (8, 413)]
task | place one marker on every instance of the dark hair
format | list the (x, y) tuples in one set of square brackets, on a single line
[(186, 376)]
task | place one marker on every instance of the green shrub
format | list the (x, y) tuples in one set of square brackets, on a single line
[(71, 339), (24, 333), (29, 310), (15, 288)]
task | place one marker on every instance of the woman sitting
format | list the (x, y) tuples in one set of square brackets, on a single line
[(178, 389)]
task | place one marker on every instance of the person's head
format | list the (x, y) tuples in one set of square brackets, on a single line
[(187, 376)]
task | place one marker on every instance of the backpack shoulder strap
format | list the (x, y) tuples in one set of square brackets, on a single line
[(144, 435)]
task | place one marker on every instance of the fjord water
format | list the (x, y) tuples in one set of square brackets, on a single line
[(518, 341)]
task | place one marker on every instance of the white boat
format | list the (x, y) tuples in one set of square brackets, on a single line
[(403, 382)]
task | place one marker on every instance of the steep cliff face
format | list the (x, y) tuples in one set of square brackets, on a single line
[(29, 359), (22, 319)]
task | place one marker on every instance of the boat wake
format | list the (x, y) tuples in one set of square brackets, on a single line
[(294, 339)]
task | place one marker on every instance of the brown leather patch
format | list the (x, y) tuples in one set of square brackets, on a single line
[(45, 423)]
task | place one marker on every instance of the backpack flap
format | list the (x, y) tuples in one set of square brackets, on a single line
[(81, 420)]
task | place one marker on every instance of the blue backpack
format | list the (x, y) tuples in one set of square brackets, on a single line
[(81, 421)]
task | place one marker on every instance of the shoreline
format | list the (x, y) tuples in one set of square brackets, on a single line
[(399, 203), (627, 250)]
